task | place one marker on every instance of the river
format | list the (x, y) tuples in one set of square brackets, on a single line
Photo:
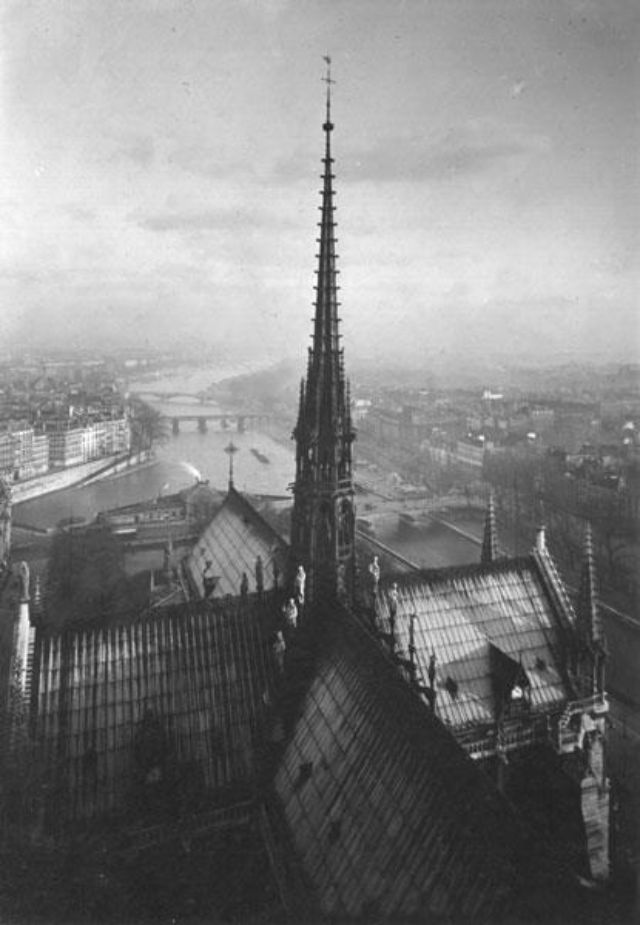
[(261, 466), (175, 460), (171, 472)]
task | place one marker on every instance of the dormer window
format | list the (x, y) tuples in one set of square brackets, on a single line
[(451, 686), (511, 686)]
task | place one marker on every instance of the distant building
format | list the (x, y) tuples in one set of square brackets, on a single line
[(185, 513), (21, 452), (66, 446), (7, 455), (361, 408), (71, 443)]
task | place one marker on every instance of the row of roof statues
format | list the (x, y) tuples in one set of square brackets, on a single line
[(290, 613)]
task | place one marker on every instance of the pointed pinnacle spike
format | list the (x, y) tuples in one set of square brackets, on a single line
[(490, 550)]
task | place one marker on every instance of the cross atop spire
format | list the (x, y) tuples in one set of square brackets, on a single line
[(328, 125)]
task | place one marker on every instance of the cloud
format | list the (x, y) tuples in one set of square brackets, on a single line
[(223, 219), (139, 149), (201, 160), (471, 149), (79, 213)]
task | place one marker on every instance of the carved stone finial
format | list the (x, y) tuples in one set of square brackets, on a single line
[(588, 609), (490, 550)]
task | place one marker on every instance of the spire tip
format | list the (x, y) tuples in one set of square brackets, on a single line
[(328, 125)]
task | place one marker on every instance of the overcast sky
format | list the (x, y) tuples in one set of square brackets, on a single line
[(160, 163)]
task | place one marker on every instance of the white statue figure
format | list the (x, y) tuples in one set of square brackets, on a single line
[(299, 584), (290, 612), (374, 571)]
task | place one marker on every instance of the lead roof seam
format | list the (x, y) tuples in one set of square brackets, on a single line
[(405, 749), (344, 754)]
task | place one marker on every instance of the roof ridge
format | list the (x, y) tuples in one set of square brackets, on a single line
[(221, 607), (554, 586), (429, 575), (234, 495)]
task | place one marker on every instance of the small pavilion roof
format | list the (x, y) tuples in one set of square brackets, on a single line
[(232, 542), (461, 615)]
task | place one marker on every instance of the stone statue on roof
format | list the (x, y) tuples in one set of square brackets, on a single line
[(374, 571), (290, 612), (278, 649), (24, 581), (259, 575), (299, 585), (393, 597), (431, 671)]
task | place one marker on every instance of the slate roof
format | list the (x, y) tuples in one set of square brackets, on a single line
[(191, 679), (461, 613), (232, 542), (388, 816)]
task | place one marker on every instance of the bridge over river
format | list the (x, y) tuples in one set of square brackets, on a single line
[(156, 395), (190, 408), (239, 420)]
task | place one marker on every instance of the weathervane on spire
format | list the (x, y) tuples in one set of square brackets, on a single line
[(230, 449), (327, 79)]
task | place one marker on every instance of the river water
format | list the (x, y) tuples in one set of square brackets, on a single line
[(172, 471), (176, 459), (261, 466)]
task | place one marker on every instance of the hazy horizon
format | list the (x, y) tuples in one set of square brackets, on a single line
[(161, 164)]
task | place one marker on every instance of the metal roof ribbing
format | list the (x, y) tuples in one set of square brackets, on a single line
[(202, 673)]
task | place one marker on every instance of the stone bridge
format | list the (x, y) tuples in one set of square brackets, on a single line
[(239, 420), (156, 395)]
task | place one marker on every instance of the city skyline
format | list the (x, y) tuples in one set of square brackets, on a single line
[(158, 159)]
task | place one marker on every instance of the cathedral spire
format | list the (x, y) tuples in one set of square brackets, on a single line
[(326, 336), (323, 515)]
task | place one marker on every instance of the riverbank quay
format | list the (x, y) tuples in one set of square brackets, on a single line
[(72, 476)]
